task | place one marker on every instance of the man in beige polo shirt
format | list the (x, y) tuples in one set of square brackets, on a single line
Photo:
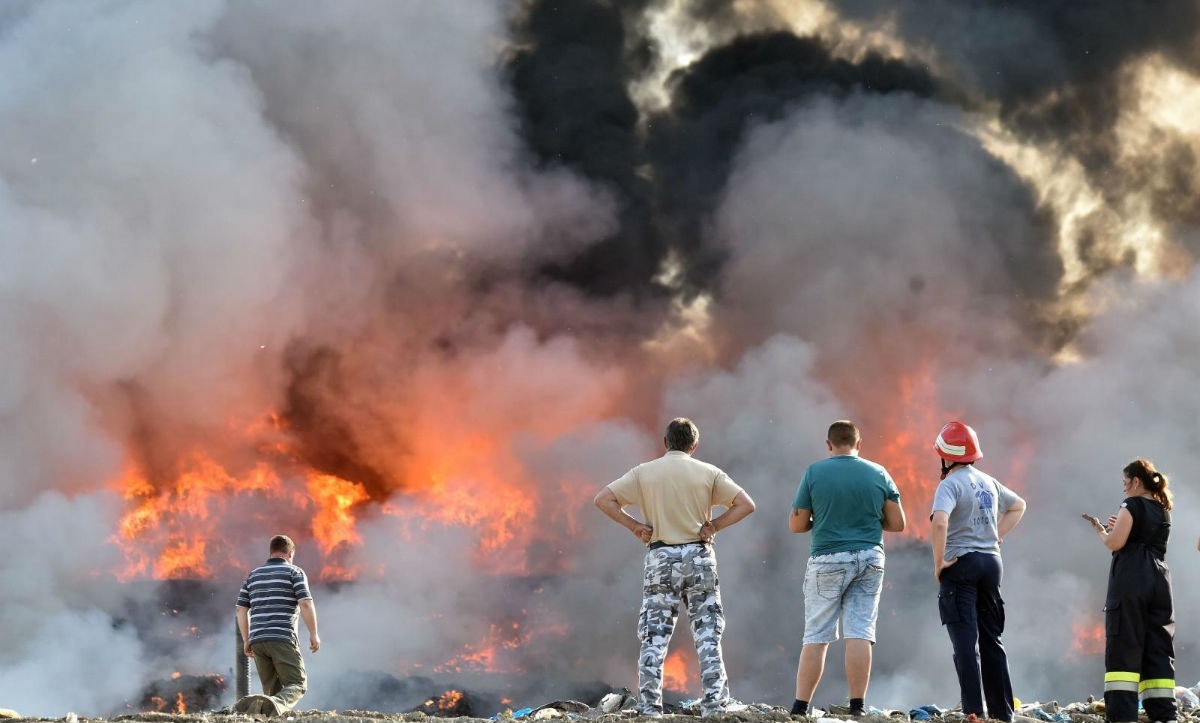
[(676, 494)]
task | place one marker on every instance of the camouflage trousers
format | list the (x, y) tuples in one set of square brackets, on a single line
[(687, 574)]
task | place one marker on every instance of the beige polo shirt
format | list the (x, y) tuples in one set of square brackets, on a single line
[(676, 493)]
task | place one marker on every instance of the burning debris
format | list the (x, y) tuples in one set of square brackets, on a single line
[(451, 704), (183, 694)]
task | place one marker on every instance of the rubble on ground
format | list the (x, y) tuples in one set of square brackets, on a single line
[(620, 707)]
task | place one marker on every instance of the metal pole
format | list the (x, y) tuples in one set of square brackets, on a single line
[(241, 667)]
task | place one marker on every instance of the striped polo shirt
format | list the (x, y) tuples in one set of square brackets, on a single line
[(272, 592)]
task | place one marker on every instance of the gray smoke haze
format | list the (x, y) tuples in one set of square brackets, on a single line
[(434, 239), (825, 247)]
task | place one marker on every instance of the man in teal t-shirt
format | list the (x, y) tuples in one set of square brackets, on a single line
[(848, 502)]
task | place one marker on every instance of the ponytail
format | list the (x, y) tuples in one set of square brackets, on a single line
[(1152, 480)]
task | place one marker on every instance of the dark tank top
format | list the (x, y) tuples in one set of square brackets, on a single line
[(1151, 525)]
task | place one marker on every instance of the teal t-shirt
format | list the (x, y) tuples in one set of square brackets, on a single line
[(846, 495)]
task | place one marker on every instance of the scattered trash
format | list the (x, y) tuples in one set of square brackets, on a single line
[(621, 706), (925, 712), (1049, 712), (619, 700), (1186, 697), (564, 706)]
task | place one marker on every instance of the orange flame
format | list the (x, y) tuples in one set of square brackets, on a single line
[(482, 656), (1087, 637), (333, 524), (472, 482), (449, 699), (907, 439), (904, 444), (180, 706), (677, 672), (174, 518), (168, 531)]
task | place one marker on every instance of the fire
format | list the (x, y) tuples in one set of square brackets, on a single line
[(677, 672), (160, 704), (1087, 637), (335, 498), (168, 532), (174, 518), (906, 440), (470, 482), (449, 700), (466, 479), (905, 416), (334, 522), (482, 656)]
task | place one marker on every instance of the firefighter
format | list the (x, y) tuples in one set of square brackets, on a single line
[(971, 514), (1139, 616)]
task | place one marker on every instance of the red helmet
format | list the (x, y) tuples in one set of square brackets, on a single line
[(957, 443)]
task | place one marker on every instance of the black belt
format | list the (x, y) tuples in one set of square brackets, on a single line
[(659, 544)]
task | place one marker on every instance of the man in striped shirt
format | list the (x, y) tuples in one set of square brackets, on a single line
[(266, 615)]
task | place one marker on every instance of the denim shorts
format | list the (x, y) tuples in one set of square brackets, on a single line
[(842, 585)]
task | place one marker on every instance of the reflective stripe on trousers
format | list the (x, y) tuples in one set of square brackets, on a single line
[(1157, 688), (1121, 680), (1129, 682), (1139, 631)]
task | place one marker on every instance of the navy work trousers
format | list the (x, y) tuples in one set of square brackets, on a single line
[(971, 609)]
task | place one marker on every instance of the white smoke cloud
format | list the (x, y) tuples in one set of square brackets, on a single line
[(151, 221), (64, 675), (400, 106), (60, 616), (871, 214)]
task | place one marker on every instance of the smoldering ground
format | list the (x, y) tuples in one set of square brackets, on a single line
[(419, 231)]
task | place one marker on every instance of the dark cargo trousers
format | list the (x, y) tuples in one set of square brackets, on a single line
[(972, 610), (674, 574), (281, 670), (1139, 626)]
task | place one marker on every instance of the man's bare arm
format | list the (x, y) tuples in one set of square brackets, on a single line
[(243, 623), (739, 509), (611, 506), (800, 520), (1010, 518), (939, 528), (893, 516), (308, 611)]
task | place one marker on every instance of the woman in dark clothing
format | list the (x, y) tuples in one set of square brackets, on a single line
[(1139, 617)]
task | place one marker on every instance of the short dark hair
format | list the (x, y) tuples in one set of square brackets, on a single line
[(282, 543), (682, 435), (843, 433)]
